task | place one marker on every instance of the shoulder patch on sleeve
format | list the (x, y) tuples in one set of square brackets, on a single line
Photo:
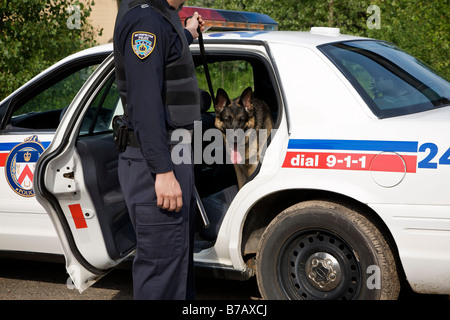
[(143, 43)]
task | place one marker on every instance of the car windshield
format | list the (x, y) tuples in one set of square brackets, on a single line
[(392, 82)]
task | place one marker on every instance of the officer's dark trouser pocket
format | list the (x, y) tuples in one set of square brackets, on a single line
[(160, 232)]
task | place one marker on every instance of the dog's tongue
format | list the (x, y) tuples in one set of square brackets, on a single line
[(235, 156)]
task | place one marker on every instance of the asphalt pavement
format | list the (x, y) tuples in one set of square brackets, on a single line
[(37, 280)]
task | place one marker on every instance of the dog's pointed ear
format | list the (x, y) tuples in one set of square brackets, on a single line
[(221, 100), (247, 99)]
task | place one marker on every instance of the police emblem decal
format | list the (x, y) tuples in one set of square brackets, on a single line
[(20, 164), (143, 43)]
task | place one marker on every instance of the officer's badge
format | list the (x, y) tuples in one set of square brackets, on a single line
[(20, 164), (143, 43)]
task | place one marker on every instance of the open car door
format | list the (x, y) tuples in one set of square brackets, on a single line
[(76, 182)]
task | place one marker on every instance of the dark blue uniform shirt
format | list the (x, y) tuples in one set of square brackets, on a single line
[(145, 82)]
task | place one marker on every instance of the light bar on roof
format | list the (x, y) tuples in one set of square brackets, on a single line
[(222, 20)]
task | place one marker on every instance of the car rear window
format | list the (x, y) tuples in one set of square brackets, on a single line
[(392, 82)]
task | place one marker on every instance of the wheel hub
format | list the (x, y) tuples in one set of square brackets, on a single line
[(317, 264), (323, 270)]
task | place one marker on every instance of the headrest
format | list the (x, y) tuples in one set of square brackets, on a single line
[(205, 101)]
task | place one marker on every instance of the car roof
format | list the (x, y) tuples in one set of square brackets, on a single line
[(313, 38), (97, 50)]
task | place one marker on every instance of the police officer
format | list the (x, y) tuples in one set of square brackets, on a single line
[(156, 79)]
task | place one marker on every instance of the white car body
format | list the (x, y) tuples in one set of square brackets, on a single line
[(327, 141), (24, 223)]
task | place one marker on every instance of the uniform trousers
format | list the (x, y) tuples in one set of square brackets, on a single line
[(163, 263)]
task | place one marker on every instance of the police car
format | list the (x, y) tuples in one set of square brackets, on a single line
[(349, 199)]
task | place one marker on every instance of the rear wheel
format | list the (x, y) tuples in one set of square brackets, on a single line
[(323, 250)]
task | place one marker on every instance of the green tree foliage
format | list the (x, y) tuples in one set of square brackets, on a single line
[(419, 27), (35, 34)]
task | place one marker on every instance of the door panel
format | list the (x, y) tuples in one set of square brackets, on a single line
[(99, 159)]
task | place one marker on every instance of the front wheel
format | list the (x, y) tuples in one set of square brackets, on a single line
[(323, 250)]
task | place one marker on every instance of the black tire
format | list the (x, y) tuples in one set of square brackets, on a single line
[(323, 250)]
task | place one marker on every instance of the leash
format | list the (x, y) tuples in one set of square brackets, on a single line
[(205, 63), (202, 210)]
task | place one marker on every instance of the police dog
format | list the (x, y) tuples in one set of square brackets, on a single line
[(241, 122)]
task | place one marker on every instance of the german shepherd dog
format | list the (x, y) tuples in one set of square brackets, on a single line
[(234, 118)]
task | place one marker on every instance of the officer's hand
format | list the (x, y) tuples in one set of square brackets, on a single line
[(168, 192), (193, 23), (201, 23)]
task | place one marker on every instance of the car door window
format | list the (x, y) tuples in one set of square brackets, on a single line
[(232, 76), (105, 105), (44, 107)]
